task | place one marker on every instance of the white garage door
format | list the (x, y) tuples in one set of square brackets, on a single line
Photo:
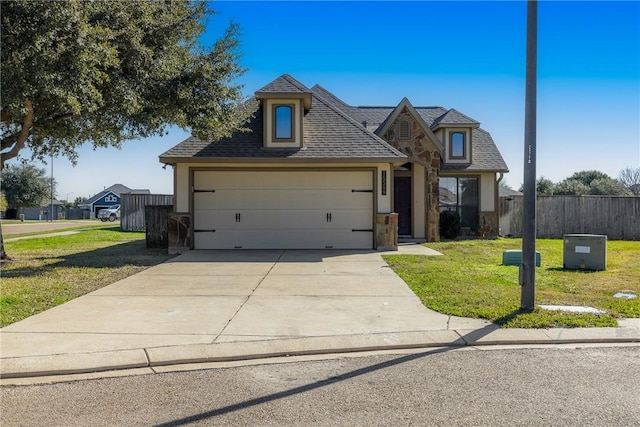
[(283, 209)]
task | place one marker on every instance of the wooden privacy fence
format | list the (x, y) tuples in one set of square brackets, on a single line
[(617, 217), (132, 216)]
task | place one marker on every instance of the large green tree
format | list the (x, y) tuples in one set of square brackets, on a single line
[(544, 187), (583, 183), (591, 182), (107, 71), (26, 186)]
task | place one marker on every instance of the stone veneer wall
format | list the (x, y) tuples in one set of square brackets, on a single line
[(424, 152), (387, 232)]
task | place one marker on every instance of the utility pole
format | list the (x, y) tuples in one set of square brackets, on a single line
[(51, 210), (528, 266)]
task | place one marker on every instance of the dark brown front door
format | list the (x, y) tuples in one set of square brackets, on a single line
[(402, 203)]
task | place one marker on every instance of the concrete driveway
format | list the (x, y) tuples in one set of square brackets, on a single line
[(215, 297), (229, 296)]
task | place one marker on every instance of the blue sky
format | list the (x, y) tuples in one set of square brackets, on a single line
[(457, 54)]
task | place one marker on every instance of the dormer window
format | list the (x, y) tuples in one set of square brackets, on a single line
[(283, 118), (456, 145), (404, 130), (283, 122)]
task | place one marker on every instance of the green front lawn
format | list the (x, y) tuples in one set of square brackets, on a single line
[(470, 281)]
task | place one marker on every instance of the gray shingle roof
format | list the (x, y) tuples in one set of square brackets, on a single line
[(485, 154), (506, 192), (335, 131), (454, 117), (284, 83), (328, 133)]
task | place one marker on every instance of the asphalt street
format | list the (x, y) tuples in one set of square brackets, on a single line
[(553, 386)]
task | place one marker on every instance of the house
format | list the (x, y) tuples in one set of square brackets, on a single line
[(508, 192), (314, 172), (108, 197)]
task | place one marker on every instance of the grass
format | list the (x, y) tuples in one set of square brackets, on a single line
[(48, 271), (87, 224), (470, 281)]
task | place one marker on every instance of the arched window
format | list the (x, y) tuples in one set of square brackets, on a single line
[(283, 122), (456, 145)]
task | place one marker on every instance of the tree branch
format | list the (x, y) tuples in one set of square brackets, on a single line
[(8, 140), (55, 118), (23, 135)]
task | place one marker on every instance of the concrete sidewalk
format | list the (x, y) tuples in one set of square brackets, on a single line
[(207, 306)]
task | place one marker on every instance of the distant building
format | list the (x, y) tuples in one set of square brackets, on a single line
[(508, 192), (108, 197)]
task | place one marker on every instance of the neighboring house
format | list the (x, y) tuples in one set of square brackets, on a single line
[(108, 197), (314, 172), (508, 192)]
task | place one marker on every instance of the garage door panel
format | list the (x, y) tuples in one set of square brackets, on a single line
[(354, 219), (293, 239), (283, 209), (286, 220), (260, 180), (283, 199)]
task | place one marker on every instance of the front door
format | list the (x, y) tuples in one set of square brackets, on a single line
[(402, 203)]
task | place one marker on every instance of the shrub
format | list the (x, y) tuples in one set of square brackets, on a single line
[(449, 224)]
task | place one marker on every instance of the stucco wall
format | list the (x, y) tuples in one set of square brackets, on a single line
[(488, 192)]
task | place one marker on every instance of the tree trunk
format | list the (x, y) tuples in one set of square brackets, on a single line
[(3, 254)]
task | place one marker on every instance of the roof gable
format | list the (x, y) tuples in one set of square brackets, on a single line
[(284, 83), (285, 87), (100, 197), (116, 189), (391, 119)]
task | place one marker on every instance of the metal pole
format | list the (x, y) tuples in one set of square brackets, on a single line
[(51, 210), (528, 266)]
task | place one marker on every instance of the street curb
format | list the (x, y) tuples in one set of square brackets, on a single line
[(80, 363), (74, 363)]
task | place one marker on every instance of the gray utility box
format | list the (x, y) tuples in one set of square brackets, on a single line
[(585, 252)]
